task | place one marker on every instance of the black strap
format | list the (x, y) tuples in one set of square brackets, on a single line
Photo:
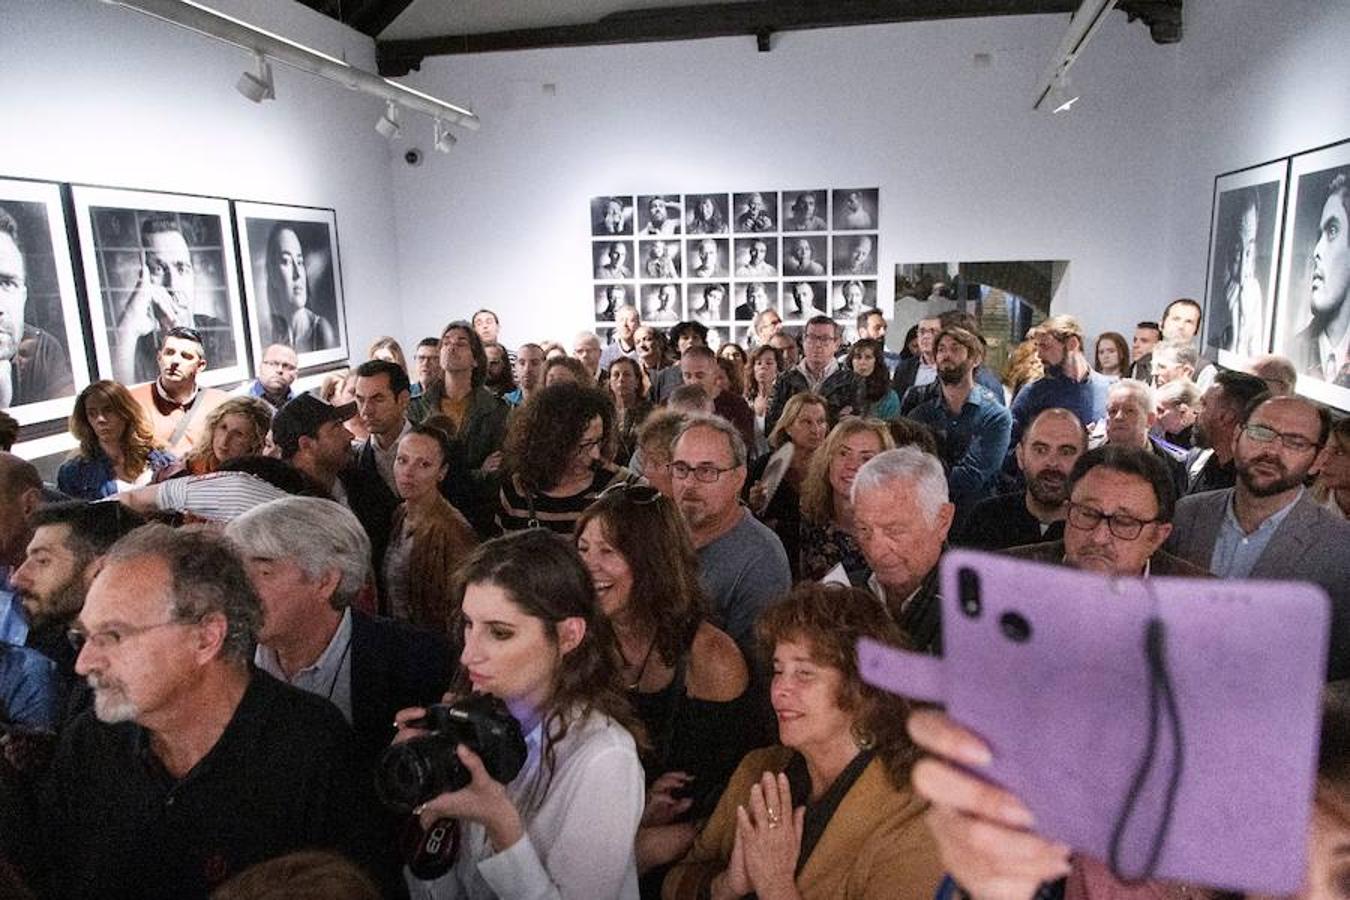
[(189, 412), (677, 702), (1161, 695)]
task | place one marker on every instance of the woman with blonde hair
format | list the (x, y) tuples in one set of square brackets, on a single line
[(238, 427), (117, 444), (827, 512), (802, 426), (388, 348)]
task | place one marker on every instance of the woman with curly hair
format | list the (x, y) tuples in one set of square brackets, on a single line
[(686, 679), (867, 359), (628, 389), (555, 458), (535, 638), (827, 512), (428, 538), (1024, 366), (831, 812), (762, 370), (117, 444), (236, 428)]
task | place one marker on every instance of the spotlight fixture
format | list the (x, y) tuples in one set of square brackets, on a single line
[(444, 139), (258, 85), (388, 124)]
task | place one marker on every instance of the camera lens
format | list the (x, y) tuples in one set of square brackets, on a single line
[(413, 772)]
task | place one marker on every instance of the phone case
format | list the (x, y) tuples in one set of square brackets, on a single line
[(1166, 726)]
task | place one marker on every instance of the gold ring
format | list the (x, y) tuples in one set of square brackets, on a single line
[(774, 820)]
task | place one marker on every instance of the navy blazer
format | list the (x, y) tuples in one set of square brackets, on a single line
[(394, 666)]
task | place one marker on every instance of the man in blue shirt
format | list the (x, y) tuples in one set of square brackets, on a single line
[(973, 428), (1069, 381)]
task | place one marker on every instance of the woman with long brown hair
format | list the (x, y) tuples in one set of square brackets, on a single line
[(802, 426), (627, 387), (117, 444), (827, 512), (536, 638)]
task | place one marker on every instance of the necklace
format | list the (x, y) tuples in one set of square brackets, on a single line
[(641, 669)]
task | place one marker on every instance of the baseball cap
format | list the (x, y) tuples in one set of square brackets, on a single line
[(301, 417)]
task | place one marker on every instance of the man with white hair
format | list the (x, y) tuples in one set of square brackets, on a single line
[(1131, 413), (1173, 360), (627, 320), (586, 348), (901, 517), (309, 559)]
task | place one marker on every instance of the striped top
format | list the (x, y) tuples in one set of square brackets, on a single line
[(557, 514)]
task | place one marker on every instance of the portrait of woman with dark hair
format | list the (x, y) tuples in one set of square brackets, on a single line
[(294, 323)]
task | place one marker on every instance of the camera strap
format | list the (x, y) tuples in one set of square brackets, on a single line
[(431, 852), (1162, 702)]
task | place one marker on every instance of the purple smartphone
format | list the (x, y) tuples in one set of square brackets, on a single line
[(1166, 726)]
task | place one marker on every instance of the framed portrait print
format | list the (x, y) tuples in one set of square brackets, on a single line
[(754, 211), (1312, 313), (1244, 239), (611, 215), (805, 211), (153, 262), (855, 255), (608, 299), (293, 280), (855, 209), (43, 363), (706, 214), (659, 214)]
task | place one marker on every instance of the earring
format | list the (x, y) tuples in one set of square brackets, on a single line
[(863, 739)]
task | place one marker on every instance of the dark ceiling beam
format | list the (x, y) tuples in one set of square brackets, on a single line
[(681, 23), (369, 17), (1163, 17)]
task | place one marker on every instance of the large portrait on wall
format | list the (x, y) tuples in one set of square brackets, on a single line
[(805, 210), (662, 303), (611, 215), (1312, 325), (804, 299), (1244, 240), (804, 257), (706, 214), (849, 298), (42, 355), (153, 262), (293, 280), (613, 260), (855, 209), (753, 297)]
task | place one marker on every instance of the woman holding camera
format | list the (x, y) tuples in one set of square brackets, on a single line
[(686, 679), (535, 637), (830, 813)]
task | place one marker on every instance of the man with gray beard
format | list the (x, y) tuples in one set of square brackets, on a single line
[(1045, 454), (193, 765)]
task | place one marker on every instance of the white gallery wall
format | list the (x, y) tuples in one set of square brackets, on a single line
[(99, 94), (967, 171)]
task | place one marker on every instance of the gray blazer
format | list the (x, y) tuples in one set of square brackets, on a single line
[(1311, 544)]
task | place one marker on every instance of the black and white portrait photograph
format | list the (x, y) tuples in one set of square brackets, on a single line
[(805, 210), (661, 303), (1243, 251), (708, 257), (608, 299), (660, 259), (756, 257), (293, 280), (1313, 312), (709, 301), (754, 211), (804, 257), (854, 254), (804, 299), (154, 262), (659, 214), (848, 298), (753, 297), (42, 354), (855, 209), (611, 216), (613, 260), (706, 214)]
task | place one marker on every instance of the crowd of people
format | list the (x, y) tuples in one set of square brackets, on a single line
[(244, 635)]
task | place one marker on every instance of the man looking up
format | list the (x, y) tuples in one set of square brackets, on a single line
[(486, 326), (1222, 409), (193, 766), (820, 372), (1121, 505), (1049, 447), (176, 406), (742, 565), (901, 518), (1267, 525), (627, 320), (974, 427), (276, 373)]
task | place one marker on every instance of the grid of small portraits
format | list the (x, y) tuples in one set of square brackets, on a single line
[(721, 259)]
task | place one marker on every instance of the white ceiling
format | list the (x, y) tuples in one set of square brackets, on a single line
[(434, 18)]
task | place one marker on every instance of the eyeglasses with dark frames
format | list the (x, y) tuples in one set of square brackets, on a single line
[(705, 472), (107, 638), (1085, 518), (1264, 434)]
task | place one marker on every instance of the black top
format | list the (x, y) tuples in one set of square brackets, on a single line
[(1004, 521), (783, 514), (116, 824)]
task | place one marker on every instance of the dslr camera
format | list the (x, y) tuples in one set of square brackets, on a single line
[(411, 773)]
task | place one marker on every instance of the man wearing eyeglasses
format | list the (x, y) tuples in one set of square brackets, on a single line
[(195, 765), (818, 371), (742, 564), (1267, 525), (276, 373)]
